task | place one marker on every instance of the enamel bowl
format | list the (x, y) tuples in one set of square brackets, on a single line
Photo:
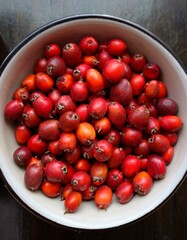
[(20, 62)]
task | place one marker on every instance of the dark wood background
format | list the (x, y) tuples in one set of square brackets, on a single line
[(165, 18)]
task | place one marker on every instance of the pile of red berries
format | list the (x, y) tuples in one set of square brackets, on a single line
[(93, 120)]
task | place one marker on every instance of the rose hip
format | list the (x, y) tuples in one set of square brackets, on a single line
[(72, 202), (80, 181), (33, 176), (13, 109), (142, 183), (124, 192), (103, 197), (156, 166), (22, 155)]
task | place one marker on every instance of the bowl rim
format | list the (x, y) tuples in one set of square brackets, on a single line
[(41, 29)]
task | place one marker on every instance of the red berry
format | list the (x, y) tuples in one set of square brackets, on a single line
[(113, 70), (80, 181), (131, 165), (56, 66), (88, 45), (156, 166), (72, 202), (103, 150), (151, 71), (142, 183), (103, 197), (13, 109), (34, 175), (124, 192), (97, 108), (116, 47), (72, 55), (52, 50)]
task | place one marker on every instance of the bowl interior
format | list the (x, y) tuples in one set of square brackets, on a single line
[(20, 63)]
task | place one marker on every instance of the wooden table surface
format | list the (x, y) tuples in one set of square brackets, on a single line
[(165, 18)]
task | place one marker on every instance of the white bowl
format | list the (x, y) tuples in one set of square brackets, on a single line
[(20, 62)]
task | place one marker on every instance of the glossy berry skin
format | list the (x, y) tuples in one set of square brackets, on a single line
[(52, 50), (167, 106), (121, 92), (82, 112), (40, 65), (64, 83), (69, 121), (171, 123), (43, 107), (72, 202), (55, 171), (114, 178), (33, 176), (56, 66), (142, 183), (72, 54), (83, 164), (142, 149), (49, 130), (124, 192), (94, 80), (168, 155), (21, 94), (103, 197), (116, 47), (153, 126), (13, 109), (67, 141), (22, 155), (97, 107), (98, 173), (138, 83), (64, 104), (131, 137), (113, 70), (79, 91), (29, 82), (151, 88), (88, 45), (30, 118), (158, 143), (131, 166), (22, 134), (44, 82), (85, 133), (80, 181), (66, 191), (50, 189), (116, 113), (37, 145), (156, 166), (118, 155), (138, 117), (80, 71), (137, 62), (103, 150), (103, 57), (151, 71)]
